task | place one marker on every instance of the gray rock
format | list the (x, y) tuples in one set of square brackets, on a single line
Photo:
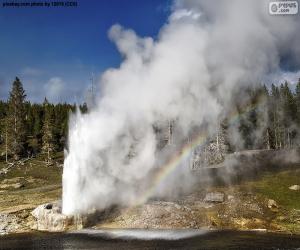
[(18, 185), (272, 204), (49, 217), (230, 197), (3, 171), (295, 187), (214, 197), (177, 206)]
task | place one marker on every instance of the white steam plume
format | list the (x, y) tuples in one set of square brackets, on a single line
[(205, 51)]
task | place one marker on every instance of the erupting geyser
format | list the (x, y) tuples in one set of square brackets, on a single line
[(202, 54)]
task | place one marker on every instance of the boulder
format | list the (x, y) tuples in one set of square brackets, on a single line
[(49, 217), (272, 204), (18, 185), (214, 197), (295, 187), (3, 171), (230, 197)]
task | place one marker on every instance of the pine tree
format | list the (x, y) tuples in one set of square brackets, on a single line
[(297, 97), (48, 145), (263, 134), (275, 115), (297, 102), (16, 129), (83, 108), (289, 113), (2, 121)]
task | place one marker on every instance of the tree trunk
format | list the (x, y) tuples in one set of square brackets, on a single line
[(6, 143), (268, 139)]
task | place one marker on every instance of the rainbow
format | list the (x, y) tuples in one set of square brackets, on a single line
[(174, 162), (235, 115)]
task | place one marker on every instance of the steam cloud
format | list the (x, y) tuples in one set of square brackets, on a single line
[(205, 51)]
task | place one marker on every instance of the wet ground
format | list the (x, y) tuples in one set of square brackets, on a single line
[(143, 239)]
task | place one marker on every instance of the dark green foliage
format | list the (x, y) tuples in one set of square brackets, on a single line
[(39, 127), (3, 113), (267, 119), (83, 108), (297, 100), (16, 126), (48, 130), (272, 121), (253, 117)]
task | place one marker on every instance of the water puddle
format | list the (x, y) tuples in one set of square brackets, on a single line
[(145, 234)]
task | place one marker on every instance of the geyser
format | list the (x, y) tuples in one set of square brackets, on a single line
[(202, 54)]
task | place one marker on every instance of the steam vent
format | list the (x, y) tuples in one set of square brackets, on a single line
[(49, 218)]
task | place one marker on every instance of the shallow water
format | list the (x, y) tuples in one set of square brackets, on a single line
[(151, 239)]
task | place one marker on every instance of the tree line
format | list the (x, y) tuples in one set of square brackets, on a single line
[(265, 118), (269, 118), (28, 129), (258, 118)]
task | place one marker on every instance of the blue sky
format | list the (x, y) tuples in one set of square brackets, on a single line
[(55, 50)]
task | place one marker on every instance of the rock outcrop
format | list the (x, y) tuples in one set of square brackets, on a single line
[(295, 187), (50, 218), (214, 197), (272, 205)]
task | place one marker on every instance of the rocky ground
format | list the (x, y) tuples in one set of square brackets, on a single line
[(239, 210), (22, 188), (271, 201)]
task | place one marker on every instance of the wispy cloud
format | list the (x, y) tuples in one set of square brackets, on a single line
[(30, 71), (54, 89)]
